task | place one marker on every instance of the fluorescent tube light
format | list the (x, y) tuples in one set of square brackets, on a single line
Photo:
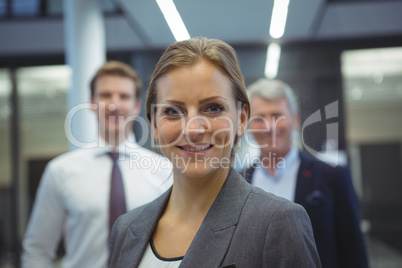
[(272, 61), (173, 19), (278, 19)]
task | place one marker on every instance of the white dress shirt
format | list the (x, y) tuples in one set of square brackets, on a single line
[(151, 259), (283, 184), (73, 199)]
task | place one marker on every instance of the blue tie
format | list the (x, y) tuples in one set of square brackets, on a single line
[(117, 203)]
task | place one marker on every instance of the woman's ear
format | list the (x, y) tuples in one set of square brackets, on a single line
[(243, 116)]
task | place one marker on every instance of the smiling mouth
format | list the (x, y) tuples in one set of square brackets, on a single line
[(196, 149)]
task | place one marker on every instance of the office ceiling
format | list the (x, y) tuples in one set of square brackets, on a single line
[(247, 22), (241, 22), (238, 22)]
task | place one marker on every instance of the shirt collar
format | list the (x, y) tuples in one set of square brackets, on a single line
[(291, 156), (281, 167), (123, 148)]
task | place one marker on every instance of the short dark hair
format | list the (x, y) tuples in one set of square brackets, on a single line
[(119, 69)]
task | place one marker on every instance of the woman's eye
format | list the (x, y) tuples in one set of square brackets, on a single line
[(214, 108), (172, 111)]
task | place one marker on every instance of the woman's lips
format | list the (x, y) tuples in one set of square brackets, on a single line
[(197, 149)]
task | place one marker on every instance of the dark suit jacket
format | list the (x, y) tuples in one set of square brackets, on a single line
[(245, 227), (329, 198)]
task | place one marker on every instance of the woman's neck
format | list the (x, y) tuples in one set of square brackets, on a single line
[(192, 197), (189, 203)]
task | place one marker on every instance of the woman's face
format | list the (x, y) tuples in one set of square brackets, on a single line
[(197, 118)]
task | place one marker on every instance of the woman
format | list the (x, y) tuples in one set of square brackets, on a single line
[(198, 108)]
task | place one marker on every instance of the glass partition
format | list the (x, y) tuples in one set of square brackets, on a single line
[(373, 103), (42, 93)]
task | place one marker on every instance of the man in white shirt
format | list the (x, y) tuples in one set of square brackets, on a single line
[(326, 192), (74, 195)]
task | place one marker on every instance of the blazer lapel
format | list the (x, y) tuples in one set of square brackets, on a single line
[(212, 240), (308, 192), (305, 180), (142, 229)]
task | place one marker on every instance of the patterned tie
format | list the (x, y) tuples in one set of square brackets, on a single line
[(117, 203)]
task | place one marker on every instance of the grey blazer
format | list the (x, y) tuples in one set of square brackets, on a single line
[(245, 227)]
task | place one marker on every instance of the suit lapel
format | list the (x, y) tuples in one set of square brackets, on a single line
[(306, 182), (142, 229), (212, 240)]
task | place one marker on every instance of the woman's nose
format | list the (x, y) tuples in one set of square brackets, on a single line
[(195, 127)]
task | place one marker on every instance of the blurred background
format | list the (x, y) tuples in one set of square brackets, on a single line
[(342, 52)]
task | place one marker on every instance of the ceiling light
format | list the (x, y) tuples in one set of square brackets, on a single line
[(173, 19), (278, 18), (272, 61)]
